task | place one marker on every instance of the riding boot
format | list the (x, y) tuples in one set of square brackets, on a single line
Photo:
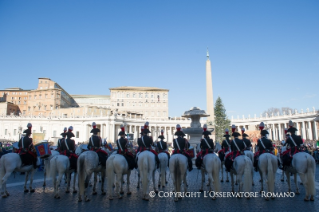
[(198, 162)]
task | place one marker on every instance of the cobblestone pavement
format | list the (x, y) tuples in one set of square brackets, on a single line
[(42, 199)]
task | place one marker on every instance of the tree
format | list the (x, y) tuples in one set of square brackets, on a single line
[(221, 121)]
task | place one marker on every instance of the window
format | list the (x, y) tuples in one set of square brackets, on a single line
[(158, 113), (65, 115), (41, 129), (128, 95), (118, 104), (46, 96), (40, 96), (40, 87), (77, 134), (56, 107), (54, 133), (146, 95), (14, 131), (5, 132), (29, 108), (141, 95), (35, 96), (18, 102), (152, 96), (133, 95), (24, 112), (25, 102), (44, 131), (122, 104), (19, 98), (45, 107), (51, 107)]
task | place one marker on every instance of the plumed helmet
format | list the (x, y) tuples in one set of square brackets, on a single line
[(122, 132), (261, 126), (233, 128), (226, 133)]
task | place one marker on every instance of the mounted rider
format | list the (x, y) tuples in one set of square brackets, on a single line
[(264, 145), (294, 142), (246, 141), (206, 145), (68, 149), (146, 143), (181, 146), (161, 146), (237, 148), (26, 149), (226, 144), (95, 144), (122, 144), (61, 140)]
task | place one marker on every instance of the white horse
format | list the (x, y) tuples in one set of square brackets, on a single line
[(60, 164), (178, 169), (47, 165), (212, 165), (147, 167), (303, 164), (12, 162), (242, 166), (268, 165), (117, 164), (163, 158), (87, 164)]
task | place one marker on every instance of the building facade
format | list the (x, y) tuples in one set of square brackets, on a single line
[(151, 102), (102, 101)]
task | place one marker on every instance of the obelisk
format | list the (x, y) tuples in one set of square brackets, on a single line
[(209, 92)]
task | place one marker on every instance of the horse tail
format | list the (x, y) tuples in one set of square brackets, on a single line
[(144, 169), (163, 169), (110, 174), (271, 177), (247, 174), (2, 170), (81, 174), (310, 175), (53, 168), (216, 168), (177, 175)]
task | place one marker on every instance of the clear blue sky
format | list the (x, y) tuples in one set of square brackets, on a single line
[(263, 53)]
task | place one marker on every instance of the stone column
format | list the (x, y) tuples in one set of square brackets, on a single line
[(273, 132), (315, 131), (130, 129), (303, 128), (112, 134), (296, 128), (107, 131), (309, 131), (279, 132)]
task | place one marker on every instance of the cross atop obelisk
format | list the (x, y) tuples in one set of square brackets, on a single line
[(209, 91)]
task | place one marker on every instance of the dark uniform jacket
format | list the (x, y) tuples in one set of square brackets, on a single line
[(239, 143), (123, 142), (247, 142), (162, 146), (60, 142), (97, 142), (267, 143), (27, 143), (225, 145), (297, 140), (148, 141), (71, 145), (204, 146), (181, 142)]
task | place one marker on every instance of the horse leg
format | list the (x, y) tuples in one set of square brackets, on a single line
[(227, 176), (232, 182), (74, 179), (288, 180), (25, 183), (119, 180), (282, 176), (31, 180), (296, 183), (203, 180), (3, 184), (103, 180), (221, 165), (138, 179), (261, 180), (236, 182), (45, 176), (94, 183), (304, 180), (128, 182), (185, 182), (153, 178)]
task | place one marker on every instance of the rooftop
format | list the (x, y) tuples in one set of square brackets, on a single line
[(90, 96), (139, 88)]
